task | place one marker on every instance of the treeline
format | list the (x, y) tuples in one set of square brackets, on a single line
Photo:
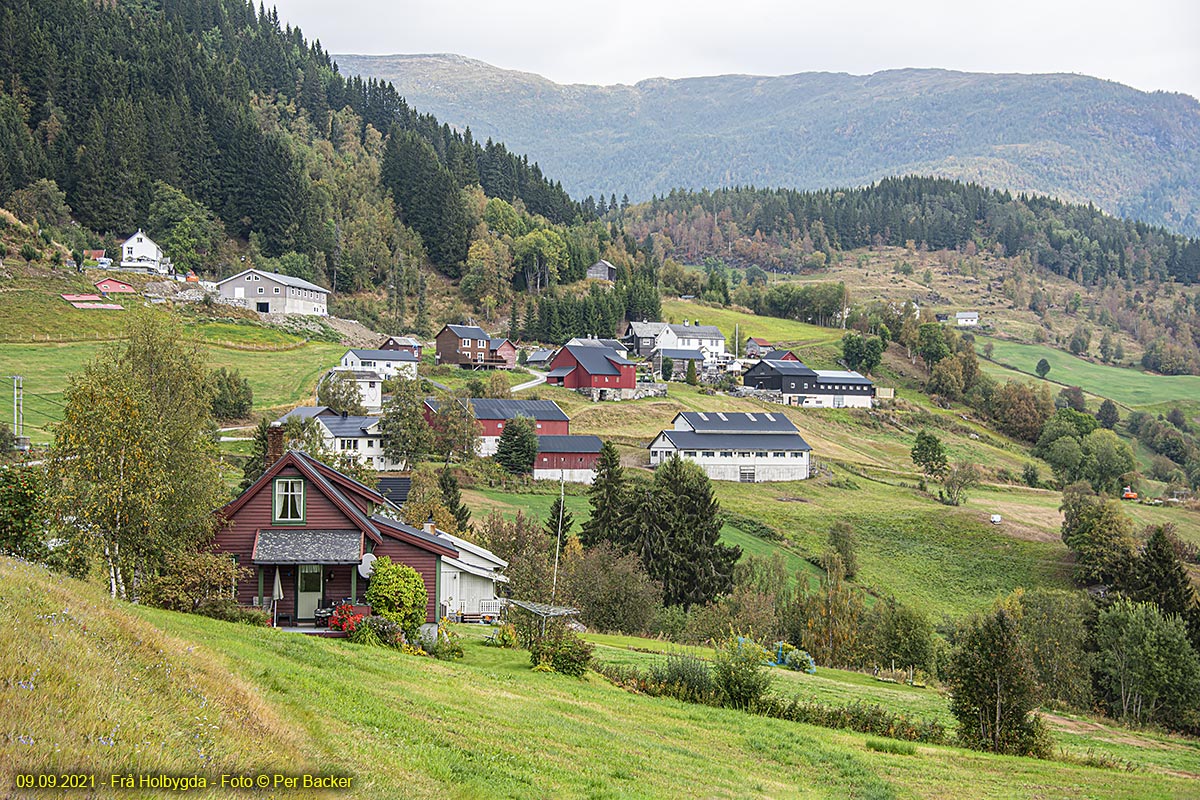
[(790, 230), (106, 99)]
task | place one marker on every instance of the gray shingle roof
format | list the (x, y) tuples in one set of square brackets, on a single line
[(384, 355), (307, 546), (541, 355), (689, 440), (569, 444), (307, 412), (611, 344), (468, 332), (646, 328), (597, 360), (489, 408), (719, 422)]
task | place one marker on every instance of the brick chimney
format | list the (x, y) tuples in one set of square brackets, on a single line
[(274, 445)]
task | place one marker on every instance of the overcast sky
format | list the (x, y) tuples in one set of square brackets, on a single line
[(1151, 44)]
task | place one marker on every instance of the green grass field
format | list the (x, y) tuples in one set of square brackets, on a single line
[(103, 687), (1128, 387), (777, 330), (277, 379)]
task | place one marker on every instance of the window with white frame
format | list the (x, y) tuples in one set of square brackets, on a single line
[(289, 500)]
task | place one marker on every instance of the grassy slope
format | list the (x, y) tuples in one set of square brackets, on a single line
[(777, 331), (1127, 387), (168, 687)]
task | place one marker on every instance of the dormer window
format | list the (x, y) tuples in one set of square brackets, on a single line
[(289, 501)]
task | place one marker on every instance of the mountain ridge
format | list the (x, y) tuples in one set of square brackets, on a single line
[(1076, 137)]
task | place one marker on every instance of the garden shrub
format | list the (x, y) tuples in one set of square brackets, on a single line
[(562, 651), (685, 677), (397, 592), (444, 645), (740, 672), (227, 609), (800, 661), (377, 631), (669, 623)]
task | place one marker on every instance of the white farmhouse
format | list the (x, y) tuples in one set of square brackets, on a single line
[(388, 363), (745, 447), (369, 382), (359, 437), (272, 293), (140, 252), (967, 318)]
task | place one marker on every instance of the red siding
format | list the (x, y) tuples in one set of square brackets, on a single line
[(546, 427), (422, 561), (507, 352), (566, 460), (581, 379)]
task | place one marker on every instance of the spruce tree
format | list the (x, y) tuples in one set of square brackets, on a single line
[(452, 499), (553, 520), (518, 446), (1160, 577), (607, 497), (1108, 415)]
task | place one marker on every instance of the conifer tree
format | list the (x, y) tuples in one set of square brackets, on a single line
[(452, 499), (553, 521), (518, 446), (607, 497), (1160, 577)]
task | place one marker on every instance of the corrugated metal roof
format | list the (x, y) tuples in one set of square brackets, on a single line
[(348, 427), (722, 422), (417, 533), (569, 444), (395, 489), (560, 372), (541, 354), (681, 355), (789, 367), (690, 440), (841, 376), (698, 331), (384, 355), (286, 280), (490, 408), (307, 546)]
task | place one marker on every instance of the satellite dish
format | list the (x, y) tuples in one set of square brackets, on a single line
[(367, 565)]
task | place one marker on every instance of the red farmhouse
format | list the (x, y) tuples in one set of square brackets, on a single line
[(491, 416), (312, 525), (602, 371)]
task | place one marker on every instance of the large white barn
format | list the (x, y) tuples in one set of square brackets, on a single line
[(745, 447)]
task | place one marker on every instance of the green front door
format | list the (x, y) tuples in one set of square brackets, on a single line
[(308, 593)]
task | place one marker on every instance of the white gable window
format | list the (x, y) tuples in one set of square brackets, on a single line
[(276, 290), (289, 500), (260, 290)]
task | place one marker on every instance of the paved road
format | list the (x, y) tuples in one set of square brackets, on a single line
[(530, 384)]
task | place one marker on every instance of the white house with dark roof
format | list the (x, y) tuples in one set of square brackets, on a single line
[(966, 318), (746, 447), (272, 293), (387, 363), (355, 436), (643, 338)]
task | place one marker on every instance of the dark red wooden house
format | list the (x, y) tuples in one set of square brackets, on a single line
[(584, 367), (312, 525)]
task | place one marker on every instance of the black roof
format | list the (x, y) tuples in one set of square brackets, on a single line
[(468, 332), (395, 489), (569, 444), (689, 440), (347, 427), (490, 408), (722, 422), (417, 533), (784, 368), (307, 546), (597, 360)]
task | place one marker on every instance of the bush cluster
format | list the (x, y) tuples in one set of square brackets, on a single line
[(227, 609), (377, 631), (444, 644), (562, 651)]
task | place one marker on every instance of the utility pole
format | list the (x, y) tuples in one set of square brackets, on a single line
[(18, 427)]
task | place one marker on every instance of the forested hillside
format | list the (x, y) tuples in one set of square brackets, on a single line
[(212, 115), (1133, 153)]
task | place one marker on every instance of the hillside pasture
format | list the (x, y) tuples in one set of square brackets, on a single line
[(1123, 385)]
